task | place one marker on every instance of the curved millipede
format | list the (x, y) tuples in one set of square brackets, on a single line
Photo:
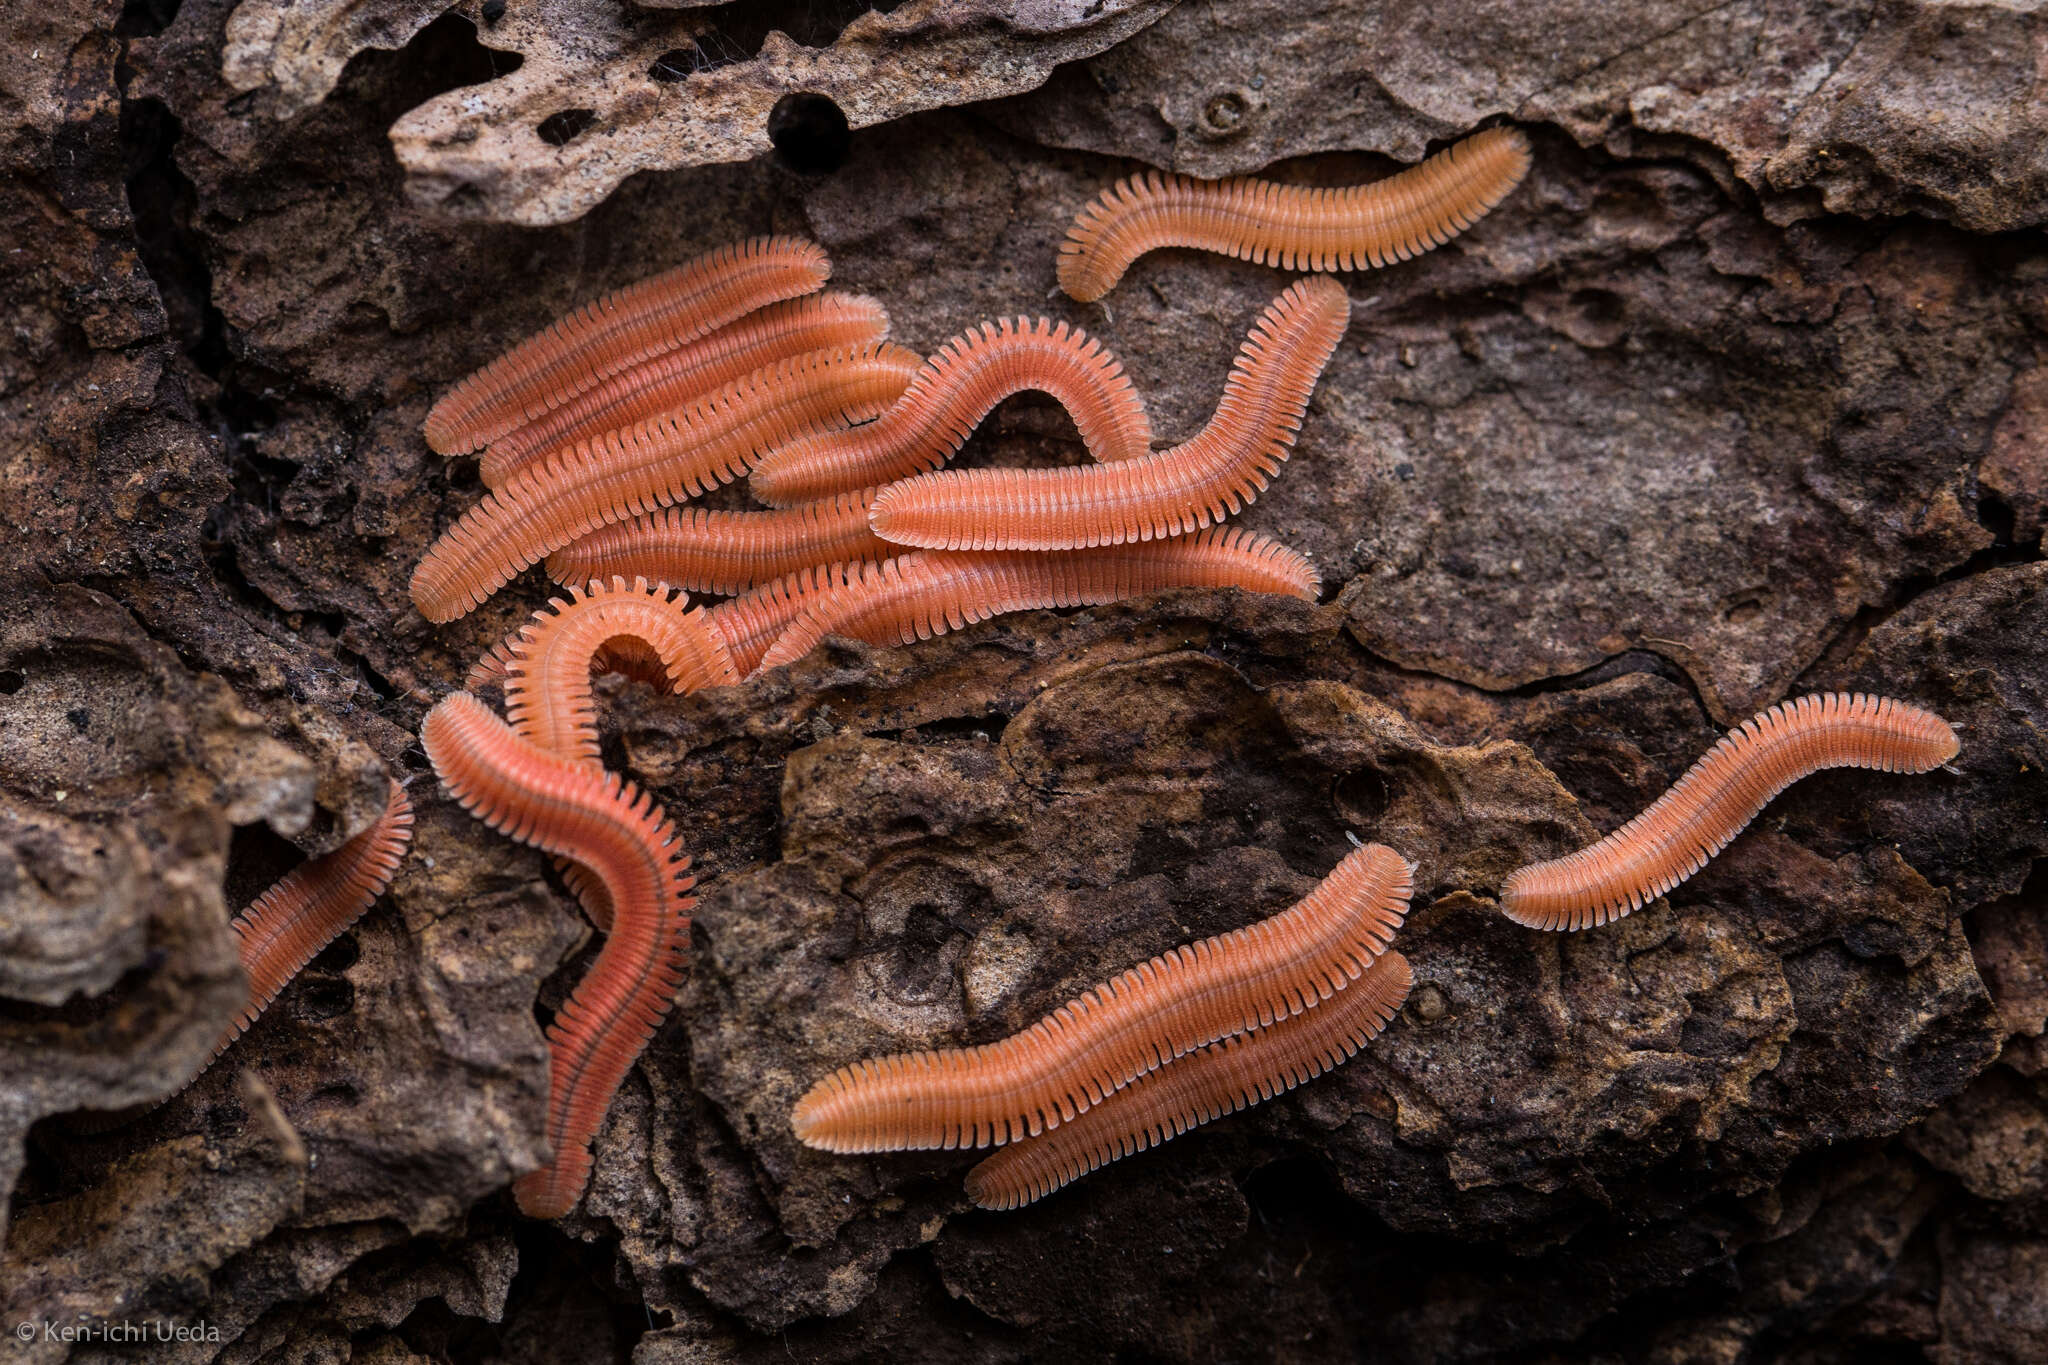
[(1294, 227), (624, 473), (1717, 797), (822, 322), (1116, 1032), (547, 685), (545, 666), (1207, 1084), (1169, 493), (620, 654), (724, 552), (575, 810), (306, 909), (746, 625), (927, 593), (622, 328), (952, 393)]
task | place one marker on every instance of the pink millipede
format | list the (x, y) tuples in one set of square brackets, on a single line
[(546, 664), (1169, 493), (304, 911), (927, 593), (724, 552), (822, 322), (752, 622), (575, 809), (1291, 226), (547, 688), (1094, 1045), (956, 388), (604, 336), (1717, 797), (745, 626), (1222, 1078), (660, 461)]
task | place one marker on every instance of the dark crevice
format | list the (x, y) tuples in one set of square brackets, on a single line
[(809, 132), (1996, 517), (1607, 670), (380, 685), (445, 55), (162, 199), (145, 18), (737, 31), (224, 561), (257, 856), (1629, 661), (559, 130), (987, 728)]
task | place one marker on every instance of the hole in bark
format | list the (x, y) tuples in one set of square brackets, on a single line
[(558, 130), (338, 956), (324, 998), (1224, 114), (145, 18), (1596, 318), (673, 65), (1360, 796), (809, 132), (11, 682), (493, 11), (445, 55)]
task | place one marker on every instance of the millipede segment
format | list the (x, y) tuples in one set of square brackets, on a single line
[(724, 552), (622, 328), (1206, 1084), (306, 909), (822, 322), (576, 810), (1717, 797), (1094, 1045), (926, 593), (1293, 227), (947, 400), (1172, 492), (752, 622), (654, 463)]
